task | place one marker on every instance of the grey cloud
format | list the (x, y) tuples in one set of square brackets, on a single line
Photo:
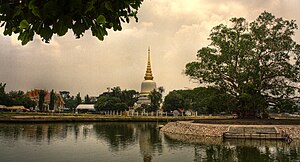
[(175, 30)]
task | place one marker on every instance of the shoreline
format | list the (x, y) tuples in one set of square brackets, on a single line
[(217, 130), (175, 125), (85, 118), (211, 120), (72, 117)]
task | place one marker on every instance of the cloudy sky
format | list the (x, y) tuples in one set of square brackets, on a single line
[(174, 29)]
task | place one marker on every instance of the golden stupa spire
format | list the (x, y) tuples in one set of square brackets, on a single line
[(148, 75)]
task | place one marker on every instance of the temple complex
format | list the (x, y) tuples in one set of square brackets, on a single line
[(147, 85), (58, 104)]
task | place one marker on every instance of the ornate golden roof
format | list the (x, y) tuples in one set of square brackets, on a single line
[(148, 75)]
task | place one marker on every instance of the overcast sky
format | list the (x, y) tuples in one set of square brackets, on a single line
[(174, 29)]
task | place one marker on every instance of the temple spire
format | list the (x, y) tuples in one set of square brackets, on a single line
[(148, 75)]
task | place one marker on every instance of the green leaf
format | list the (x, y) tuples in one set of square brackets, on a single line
[(101, 19), (108, 6), (17, 11), (68, 21), (26, 36), (78, 29), (7, 31), (31, 4), (36, 12), (96, 31), (37, 26), (51, 8), (34, 9), (60, 28), (46, 33), (88, 22), (89, 6), (24, 24)]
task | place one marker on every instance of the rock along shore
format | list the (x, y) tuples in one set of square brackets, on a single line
[(217, 130)]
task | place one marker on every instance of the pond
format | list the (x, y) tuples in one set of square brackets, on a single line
[(132, 142)]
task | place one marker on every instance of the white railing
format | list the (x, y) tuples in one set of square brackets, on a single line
[(143, 113)]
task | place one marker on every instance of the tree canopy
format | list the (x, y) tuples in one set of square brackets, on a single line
[(106, 103), (204, 100), (15, 98), (155, 97), (42, 94), (45, 18), (116, 99), (257, 63), (52, 100)]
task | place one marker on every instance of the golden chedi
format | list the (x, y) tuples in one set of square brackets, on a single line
[(147, 85)]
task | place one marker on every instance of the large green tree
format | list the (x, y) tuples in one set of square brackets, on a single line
[(156, 99), (116, 92), (173, 101), (21, 99), (204, 100), (70, 103), (106, 103), (257, 63), (52, 100), (42, 94), (129, 97), (48, 17), (116, 99), (18, 98), (87, 99), (4, 98), (78, 99)]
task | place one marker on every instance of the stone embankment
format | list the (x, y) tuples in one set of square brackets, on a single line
[(217, 130), (189, 128), (292, 130)]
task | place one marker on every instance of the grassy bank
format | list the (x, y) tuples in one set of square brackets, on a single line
[(70, 117), (13, 117)]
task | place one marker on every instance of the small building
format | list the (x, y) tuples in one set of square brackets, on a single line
[(13, 108), (85, 108)]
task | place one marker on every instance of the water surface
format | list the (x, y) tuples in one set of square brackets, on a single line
[(120, 141)]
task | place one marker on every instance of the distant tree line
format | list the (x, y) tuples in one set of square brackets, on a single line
[(214, 100), (15, 98)]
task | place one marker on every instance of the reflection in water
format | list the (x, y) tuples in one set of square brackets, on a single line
[(216, 149), (119, 136), (120, 141), (149, 141)]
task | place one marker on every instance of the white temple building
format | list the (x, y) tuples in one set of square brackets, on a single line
[(147, 85)]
